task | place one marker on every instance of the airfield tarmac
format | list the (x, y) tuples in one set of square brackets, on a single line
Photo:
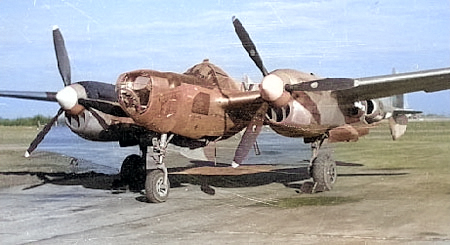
[(378, 199)]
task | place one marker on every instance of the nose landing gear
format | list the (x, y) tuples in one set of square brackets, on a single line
[(157, 184), (156, 190), (148, 171)]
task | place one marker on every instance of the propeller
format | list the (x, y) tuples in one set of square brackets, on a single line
[(73, 98), (274, 91), (64, 69), (254, 128)]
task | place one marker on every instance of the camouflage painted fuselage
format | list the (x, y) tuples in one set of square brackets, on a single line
[(205, 102)]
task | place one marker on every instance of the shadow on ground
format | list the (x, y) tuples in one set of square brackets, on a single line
[(93, 180), (291, 177)]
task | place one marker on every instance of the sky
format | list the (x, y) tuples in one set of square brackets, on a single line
[(334, 38)]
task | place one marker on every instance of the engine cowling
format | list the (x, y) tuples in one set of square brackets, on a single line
[(374, 111)]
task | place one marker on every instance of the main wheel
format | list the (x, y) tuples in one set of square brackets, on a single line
[(133, 173), (155, 189), (324, 172)]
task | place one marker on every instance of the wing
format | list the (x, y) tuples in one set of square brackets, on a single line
[(389, 85)]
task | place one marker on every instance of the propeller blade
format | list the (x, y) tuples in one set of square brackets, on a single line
[(249, 45), (61, 56), (45, 96), (327, 84), (42, 134), (108, 107), (250, 135)]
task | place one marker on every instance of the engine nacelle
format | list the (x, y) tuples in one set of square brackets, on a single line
[(374, 111), (98, 127), (295, 120)]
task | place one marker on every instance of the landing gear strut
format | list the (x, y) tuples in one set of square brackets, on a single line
[(322, 167), (157, 184)]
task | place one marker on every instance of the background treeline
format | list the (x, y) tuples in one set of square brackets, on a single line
[(37, 120)]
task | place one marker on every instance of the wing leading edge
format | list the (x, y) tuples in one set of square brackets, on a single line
[(389, 85)]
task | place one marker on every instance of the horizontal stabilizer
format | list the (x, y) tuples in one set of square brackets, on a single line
[(406, 112)]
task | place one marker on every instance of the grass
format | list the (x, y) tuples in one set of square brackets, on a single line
[(415, 166), (424, 144), (14, 140), (17, 136)]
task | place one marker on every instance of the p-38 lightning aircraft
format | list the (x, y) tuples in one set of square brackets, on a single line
[(152, 109)]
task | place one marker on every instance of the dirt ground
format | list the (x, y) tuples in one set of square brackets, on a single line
[(43, 201)]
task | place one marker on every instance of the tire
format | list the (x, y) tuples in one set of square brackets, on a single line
[(324, 173), (155, 190), (132, 172)]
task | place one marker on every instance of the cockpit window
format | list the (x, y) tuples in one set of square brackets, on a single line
[(211, 73), (135, 94)]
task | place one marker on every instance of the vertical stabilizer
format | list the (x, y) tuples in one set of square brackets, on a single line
[(398, 101)]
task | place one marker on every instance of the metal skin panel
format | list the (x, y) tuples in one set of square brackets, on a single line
[(176, 104)]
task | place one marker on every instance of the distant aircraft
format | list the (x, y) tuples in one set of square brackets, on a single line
[(203, 105)]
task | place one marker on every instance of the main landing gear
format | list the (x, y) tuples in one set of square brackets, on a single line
[(322, 167)]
